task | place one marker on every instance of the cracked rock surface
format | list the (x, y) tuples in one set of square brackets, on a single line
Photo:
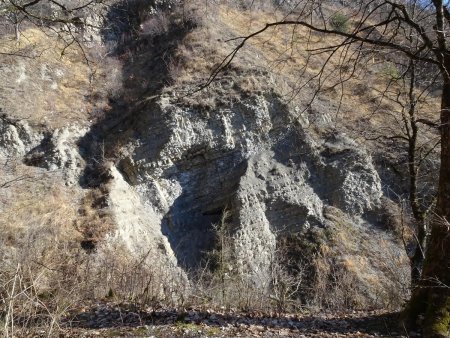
[(252, 158)]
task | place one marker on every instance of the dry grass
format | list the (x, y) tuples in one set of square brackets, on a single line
[(53, 85), (38, 242), (283, 55), (37, 214), (45, 272), (365, 266)]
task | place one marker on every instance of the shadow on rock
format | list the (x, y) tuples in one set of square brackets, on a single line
[(145, 72)]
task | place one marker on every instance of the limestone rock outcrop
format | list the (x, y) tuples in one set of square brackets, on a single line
[(156, 171), (58, 151), (16, 137), (252, 158)]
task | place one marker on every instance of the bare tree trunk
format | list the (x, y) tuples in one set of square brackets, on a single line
[(16, 27), (416, 261), (431, 299), (412, 129), (17, 31)]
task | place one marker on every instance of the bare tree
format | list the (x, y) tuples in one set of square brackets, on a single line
[(413, 138), (66, 19), (417, 30), (417, 157)]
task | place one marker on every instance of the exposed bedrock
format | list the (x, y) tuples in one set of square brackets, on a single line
[(252, 158)]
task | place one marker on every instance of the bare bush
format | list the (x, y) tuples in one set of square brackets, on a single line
[(155, 25), (334, 286), (51, 276), (141, 279), (288, 281), (38, 274), (221, 284)]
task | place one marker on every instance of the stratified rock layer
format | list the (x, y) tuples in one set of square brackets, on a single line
[(252, 158)]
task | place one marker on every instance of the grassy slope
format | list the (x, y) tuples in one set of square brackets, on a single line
[(283, 53), (53, 86)]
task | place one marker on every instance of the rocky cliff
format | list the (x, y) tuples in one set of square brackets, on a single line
[(252, 158), (181, 168), (171, 170)]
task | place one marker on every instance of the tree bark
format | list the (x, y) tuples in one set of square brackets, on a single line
[(412, 131), (429, 306), (17, 31), (17, 27)]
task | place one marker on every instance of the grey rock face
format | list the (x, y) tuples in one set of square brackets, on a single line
[(353, 183), (185, 167), (59, 151), (138, 226), (272, 198), (252, 158), (16, 137)]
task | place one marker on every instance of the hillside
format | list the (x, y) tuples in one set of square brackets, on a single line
[(135, 202)]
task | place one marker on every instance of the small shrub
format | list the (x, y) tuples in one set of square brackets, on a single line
[(155, 25), (288, 281), (191, 13), (391, 71), (339, 22)]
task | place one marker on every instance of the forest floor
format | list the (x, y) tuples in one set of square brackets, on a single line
[(113, 320)]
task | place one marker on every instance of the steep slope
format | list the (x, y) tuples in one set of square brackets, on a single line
[(185, 160), (154, 166), (249, 158)]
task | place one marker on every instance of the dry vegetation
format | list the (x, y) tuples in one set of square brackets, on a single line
[(48, 269), (47, 277), (52, 250), (292, 59), (53, 85)]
